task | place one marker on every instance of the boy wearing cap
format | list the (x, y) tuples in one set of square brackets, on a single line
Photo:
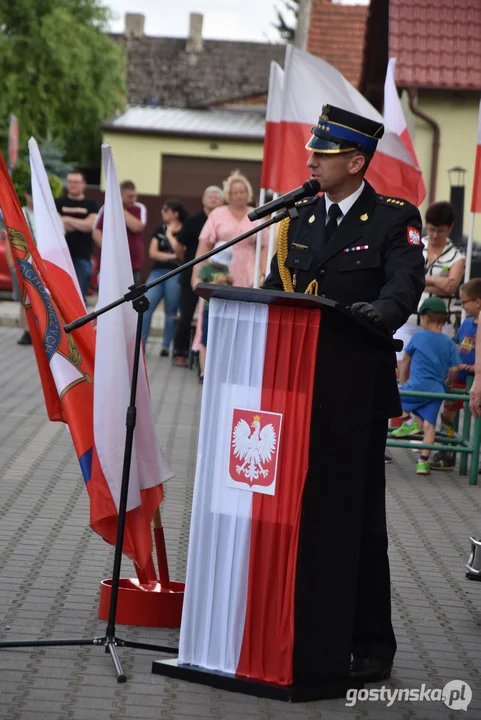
[(216, 271), (470, 295), (430, 357)]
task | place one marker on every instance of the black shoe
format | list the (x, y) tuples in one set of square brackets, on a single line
[(387, 459), (179, 361), (370, 669), (164, 352), (26, 339), (443, 460)]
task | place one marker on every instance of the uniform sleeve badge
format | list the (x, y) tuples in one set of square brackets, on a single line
[(414, 236)]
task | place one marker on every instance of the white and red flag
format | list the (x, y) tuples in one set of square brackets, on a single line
[(252, 464), (395, 121), (52, 298), (310, 83), (475, 200), (476, 197), (114, 355), (272, 146)]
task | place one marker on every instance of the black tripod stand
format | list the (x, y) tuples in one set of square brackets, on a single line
[(136, 295)]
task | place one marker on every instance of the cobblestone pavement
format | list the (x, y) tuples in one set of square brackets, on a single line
[(51, 564)]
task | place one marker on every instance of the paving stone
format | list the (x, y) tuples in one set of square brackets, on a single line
[(51, 565)]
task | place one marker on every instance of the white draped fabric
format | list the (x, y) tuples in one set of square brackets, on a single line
[(218, 559)]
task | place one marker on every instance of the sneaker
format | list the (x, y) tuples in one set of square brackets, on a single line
[(26, 339), (443, 460), (164, 352), (387, 459), (406, 430), (423, 467), (446, 429)]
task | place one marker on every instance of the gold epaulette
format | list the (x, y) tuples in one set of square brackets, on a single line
[(307, 201), (392, 202)]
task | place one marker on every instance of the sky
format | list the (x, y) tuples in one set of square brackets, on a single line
[(223, 19)]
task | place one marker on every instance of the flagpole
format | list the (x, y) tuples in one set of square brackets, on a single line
[(469, 248), (257, 264)]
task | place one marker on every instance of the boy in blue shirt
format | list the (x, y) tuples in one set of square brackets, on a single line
[(429, 358), (470, 295)]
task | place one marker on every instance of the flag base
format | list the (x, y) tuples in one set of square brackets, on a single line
[(145, 605), (321, 690)]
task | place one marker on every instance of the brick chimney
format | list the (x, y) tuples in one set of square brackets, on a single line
[(194, 41), (134, 24)]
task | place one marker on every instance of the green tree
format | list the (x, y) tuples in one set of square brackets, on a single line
[(60, 73), (21, 177), (286, 26)]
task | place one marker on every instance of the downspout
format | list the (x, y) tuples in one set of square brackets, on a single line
[(436, 141)]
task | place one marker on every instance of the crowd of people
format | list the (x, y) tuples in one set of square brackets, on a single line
[(179, 238), (443, 356)]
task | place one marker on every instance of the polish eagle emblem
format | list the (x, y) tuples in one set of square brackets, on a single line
[(253, 446)]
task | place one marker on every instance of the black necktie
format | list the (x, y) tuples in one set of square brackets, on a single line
[(331, 227)]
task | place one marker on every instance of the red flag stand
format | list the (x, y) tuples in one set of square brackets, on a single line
[(144, 600)]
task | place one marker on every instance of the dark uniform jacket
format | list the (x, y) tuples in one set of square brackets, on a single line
[(374, 256)]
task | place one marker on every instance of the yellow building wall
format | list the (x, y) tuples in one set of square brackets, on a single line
[(139, 157), (457, 117)]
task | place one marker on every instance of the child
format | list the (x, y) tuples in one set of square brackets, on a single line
[(470, 294), (430, 356), (215, 270)]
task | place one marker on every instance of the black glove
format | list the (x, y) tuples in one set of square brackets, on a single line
[(368, 312)]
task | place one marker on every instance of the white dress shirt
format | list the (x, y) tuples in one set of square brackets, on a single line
[(345, 205)]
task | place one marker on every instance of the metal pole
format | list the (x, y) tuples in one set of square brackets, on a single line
[(473, 475), (272, 235), (257, 265), (469, 248)]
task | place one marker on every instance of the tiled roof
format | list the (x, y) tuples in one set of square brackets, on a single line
[(437, 43), (222, 72), (214, 123), (336, 34)]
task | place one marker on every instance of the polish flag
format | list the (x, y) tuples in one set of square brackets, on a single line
[(395, 121), (66, 363), (114, 356), (476, 198), (238, 615), (310, 83), (272, 146), (51, 243)]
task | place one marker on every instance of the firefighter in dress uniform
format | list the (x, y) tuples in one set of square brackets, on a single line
[(364, 251)]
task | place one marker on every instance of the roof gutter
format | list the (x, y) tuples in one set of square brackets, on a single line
[(188, 134), (436, 141)]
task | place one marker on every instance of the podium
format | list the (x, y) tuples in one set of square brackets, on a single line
[(276, 523)]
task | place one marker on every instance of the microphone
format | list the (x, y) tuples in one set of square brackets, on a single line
[(311, 187)]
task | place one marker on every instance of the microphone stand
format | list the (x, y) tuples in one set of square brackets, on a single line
[(136, 291), (140, 303)]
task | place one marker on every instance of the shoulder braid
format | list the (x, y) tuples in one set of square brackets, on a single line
[(282, 249)]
